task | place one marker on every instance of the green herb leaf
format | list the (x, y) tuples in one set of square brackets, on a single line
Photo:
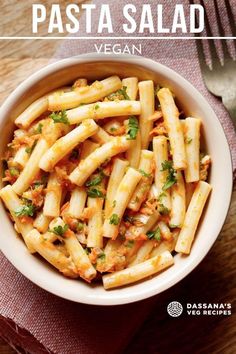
[(188, 140), (144, 174), (156, 235), (163, 210), (95, 193), (29, 149), (161, 196), (119, 94), (130, 243), (25, 210), (94, 181), (74, 154), (59, 117), (171, 178), (79, 226), (38, 130), (102, 256), (96, 107), (14, 172), (132, 128), (114, 219), (113, 203), (60, 230)]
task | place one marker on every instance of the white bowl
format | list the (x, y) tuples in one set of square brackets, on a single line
[(95, 66)]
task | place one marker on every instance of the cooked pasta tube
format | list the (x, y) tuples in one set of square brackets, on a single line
[(160, 149), (77, 202), (101, 110), (87, 148), (32, 112), (78, 254), (88, 94), (131, 84), (50, 252), (99, 156), (13, 204), (178, 201), (114, 127), (52, 131), (41, 222), (173, 126), (121, 200), (146, 96), (143, 253), (192, 146), (165, 231), (101, 136), (141, 191), (138, 272), (192, 217), (134, 151), (67, 143), (95, 237), (31, 168), (150, 222), (52, 202), (21, 157), (118, 171)]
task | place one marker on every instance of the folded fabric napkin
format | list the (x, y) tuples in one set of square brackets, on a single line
[(40, 322)]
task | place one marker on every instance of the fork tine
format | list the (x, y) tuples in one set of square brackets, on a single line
[(213, 52), (231, 21), (221, 31)]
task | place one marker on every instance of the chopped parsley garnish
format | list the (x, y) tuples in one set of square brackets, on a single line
[(40, 183), (60, 230), (171, 177), (59, 117), (188, 140), (113, 203), (113, 129), (25, 210), (173, 226), (132, 128), (94, 181), (130, 243), (38, 130), (144, 174), (114, 219), (96, 107), (79, 226), (154, 235), (29, 149), (95, 193), (14, 172), (161, 196), (102, 256), (163, 210), (119, 94)]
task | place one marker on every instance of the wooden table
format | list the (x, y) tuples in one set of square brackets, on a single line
[(214, 278)]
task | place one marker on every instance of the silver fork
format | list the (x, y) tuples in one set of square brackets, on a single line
[(220, 76)]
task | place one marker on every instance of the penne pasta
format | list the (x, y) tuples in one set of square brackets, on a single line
[(120, 202), (87, 148), (21, 157), (82, 95), (143, 253), (173, 126), (141, 191), (178, 202), (134, 152), (146, 96), (66, 144), (77, 202), (50, 252), (101, 110), (192, 147), (98, 157), (32, 112), (192, 217), (14, 204), (118, 172), (41, 222), (160, 149), (95, 237), (131, 84), (101, 136), (139, 271), (31, 168), (53, 197)]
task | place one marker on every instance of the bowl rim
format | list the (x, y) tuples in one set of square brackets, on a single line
[(152, 66)]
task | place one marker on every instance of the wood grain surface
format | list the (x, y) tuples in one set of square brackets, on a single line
[(213, 280)]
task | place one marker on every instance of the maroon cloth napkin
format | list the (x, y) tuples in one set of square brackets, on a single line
[(62, 327)]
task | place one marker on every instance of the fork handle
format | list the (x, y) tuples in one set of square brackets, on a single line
[(229, 102)]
